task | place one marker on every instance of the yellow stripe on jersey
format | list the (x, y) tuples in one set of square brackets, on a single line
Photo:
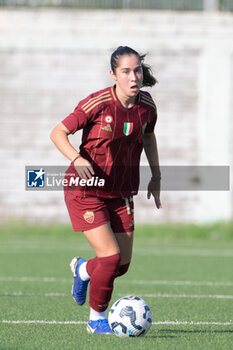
[(97, 103), (113, 94), (93, 99)]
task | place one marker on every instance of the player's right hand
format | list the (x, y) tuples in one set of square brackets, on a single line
[(84, 168)]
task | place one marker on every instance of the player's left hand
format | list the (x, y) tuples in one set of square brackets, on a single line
[(154, 190)]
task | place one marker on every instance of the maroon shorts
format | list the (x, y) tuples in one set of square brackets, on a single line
[(87, 213)]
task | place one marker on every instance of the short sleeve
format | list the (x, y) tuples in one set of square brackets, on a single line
[(76, 120), (152, 121)]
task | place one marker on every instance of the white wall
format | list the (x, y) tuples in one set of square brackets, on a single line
[(50, 59)]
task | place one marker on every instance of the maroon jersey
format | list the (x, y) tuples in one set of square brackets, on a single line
[(112, 140)]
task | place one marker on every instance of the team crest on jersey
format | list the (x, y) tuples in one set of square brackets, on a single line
[(127, 128), (108, 119), (89, 217)]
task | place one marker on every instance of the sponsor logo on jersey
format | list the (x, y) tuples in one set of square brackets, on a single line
[(89, 217), (107, 128), (127, 128), (108, 119)]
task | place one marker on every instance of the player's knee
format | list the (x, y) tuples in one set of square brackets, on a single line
[(122, 269), (110, 263)]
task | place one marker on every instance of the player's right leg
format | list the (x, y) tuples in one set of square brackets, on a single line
[(87, 215), (102, 270)]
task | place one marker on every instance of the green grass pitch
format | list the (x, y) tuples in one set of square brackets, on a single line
[(184, 272)]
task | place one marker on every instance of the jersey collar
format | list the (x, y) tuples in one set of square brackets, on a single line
[(119, 105)]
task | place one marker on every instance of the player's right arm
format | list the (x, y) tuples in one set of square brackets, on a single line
[(59, 136)]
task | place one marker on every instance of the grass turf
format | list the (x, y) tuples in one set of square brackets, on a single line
[(183, 272)]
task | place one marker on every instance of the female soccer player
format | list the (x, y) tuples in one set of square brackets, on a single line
[(117, 122)]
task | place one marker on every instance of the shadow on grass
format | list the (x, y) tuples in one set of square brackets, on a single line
[(196, 331), (156, 334), (174, 333)]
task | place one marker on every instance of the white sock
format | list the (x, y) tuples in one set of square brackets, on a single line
[(83, 272), (95, 315)]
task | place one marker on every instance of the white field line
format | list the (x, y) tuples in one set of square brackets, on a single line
[(182, 283), (22, 294), (36, 279), (158, 295), (156, 251), (143, 282), (191, 296), (226, 253), (173, 323), (25, 247), (42, 322)]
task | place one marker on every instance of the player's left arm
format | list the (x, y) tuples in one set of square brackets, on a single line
[(151, 151)]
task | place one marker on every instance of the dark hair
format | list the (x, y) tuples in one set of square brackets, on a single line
[(148, 78)]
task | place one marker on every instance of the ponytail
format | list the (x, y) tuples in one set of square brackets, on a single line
[(148, 78)]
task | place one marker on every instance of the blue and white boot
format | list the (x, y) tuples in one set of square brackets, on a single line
[(100, 326), (79, 288)]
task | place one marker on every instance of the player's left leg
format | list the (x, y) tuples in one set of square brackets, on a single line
[(125, 243), (122, 223), (102, 271)]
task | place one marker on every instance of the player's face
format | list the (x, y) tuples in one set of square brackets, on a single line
[(128, 75)]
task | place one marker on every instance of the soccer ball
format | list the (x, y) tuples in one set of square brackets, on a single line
[(130, 316)]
